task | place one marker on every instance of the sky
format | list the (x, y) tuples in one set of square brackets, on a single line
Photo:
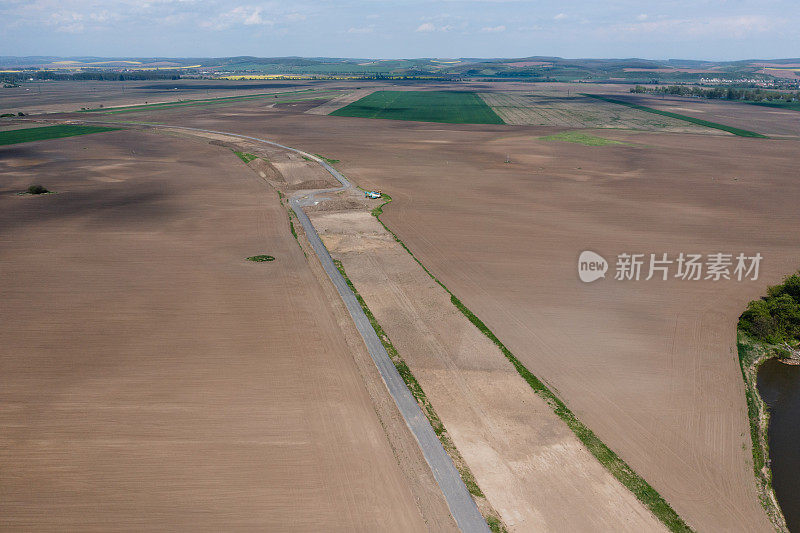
[(685, 29)]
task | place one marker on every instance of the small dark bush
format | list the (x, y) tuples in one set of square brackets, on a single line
[(37, 189), (261, 258)]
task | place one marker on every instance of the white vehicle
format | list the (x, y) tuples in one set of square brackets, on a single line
[(372, 194)]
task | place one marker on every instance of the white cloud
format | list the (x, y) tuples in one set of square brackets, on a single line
[(244, 15), (493, 29), (361, 30), (643, 16), (428, 27), (560, 16), (736, 27)]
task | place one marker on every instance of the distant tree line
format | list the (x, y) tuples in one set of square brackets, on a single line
[(100, 75), (722, 93), (775, 318)]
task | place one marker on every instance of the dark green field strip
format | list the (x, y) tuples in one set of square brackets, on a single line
[(793, 106), (424, 106), (693, 120), (607, 457), (208, 101), (48, 132)]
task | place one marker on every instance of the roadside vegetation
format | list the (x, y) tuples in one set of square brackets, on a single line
[(769, 328), (693, 120), (580, 138), (244, 156), (48, 132), (492, 519), (453, 107), (618, 468), (329, 161)]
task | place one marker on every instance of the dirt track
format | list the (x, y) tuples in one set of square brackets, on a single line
[(152, 378)]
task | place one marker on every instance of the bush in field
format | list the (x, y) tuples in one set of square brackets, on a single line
[(37, 189), (775, 318)]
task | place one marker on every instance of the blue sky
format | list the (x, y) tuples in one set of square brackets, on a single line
[(697, 29)]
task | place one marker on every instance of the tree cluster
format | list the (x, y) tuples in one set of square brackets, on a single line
[(722, 93), (775, 318)]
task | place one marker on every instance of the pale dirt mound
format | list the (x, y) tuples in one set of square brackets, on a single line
[(309, 184)]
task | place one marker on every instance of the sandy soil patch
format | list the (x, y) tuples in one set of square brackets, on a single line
[(531, 467)]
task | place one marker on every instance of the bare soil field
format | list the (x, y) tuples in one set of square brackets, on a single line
[(651, 367), (531, 467), (151, 378)]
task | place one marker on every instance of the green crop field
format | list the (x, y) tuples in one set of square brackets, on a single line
[(47, 132), (425, 106)]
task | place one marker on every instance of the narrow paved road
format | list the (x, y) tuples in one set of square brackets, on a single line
[(461, 504)]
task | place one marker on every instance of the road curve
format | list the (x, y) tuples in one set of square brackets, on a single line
[(462, 506)]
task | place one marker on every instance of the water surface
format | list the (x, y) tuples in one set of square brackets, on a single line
[(779, 386)]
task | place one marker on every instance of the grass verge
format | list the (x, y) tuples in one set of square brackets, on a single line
[(48, 132), (329, 161), (492, 520), (752, 354), (693, 120), (613, 463), (580, 138)]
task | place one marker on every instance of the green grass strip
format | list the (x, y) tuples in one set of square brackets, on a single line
[(618, 468), (580, 138), (422, 399), (48, 132), (693, 120), (452, 107), (244, 156), (327, 160)]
